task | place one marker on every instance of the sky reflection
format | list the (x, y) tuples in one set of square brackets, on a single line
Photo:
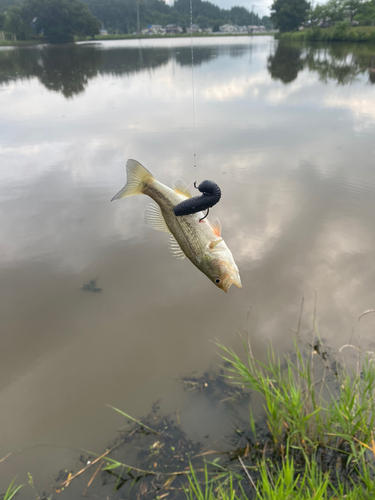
[(291, 146)]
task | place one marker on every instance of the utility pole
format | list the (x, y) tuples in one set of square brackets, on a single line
[(252, 15)]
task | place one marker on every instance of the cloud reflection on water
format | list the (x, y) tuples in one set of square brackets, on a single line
[(295, 164)]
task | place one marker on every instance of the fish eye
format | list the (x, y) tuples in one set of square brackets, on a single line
[(217, 280)]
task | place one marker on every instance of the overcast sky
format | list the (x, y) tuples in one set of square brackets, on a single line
[(261, 7)]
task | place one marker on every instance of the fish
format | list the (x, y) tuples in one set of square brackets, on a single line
[(199, 241)]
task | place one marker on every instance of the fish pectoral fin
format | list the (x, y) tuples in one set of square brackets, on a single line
[(154, 218), (180, 187), (175, 248), (217, 228), (214, 243)]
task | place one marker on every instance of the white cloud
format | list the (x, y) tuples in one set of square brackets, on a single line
[(362, 106)]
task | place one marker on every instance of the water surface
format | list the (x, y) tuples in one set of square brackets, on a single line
[(286, 131)]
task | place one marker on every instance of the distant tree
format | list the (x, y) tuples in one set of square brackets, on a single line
[(60, 20), (266, 22), (16, 23), (241, 16), (203, 22), (366, 15), (334, 10), (2, 20), (287, 15), (352, 7), (216, 26), (4, 4), (121, 15)]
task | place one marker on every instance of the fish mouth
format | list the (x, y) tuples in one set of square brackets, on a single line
[(232, 280)]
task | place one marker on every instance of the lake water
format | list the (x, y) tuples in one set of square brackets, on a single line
[(288, 133)]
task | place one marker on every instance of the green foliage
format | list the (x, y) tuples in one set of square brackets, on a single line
[(285, 482), (60, 20), (4, 4), (266, 22), (288, 15), (17, 23), (2, 20), (342, 32), (303, 426), (333, 9), (339, 10), (120, 16), (366, 14), (315, 34), (289, 395), (298, 414), (352, 7), (212, 489)]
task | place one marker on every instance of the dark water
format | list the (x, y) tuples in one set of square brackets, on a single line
[(288, 134)]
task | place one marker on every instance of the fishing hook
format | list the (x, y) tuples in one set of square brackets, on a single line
[(200, 220)]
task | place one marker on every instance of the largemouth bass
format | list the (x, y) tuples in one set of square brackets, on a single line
[(200, 242)]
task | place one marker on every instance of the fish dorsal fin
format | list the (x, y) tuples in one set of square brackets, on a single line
[(154, 218), (181, 187), (175, 248), (217, 228), (214, 243)]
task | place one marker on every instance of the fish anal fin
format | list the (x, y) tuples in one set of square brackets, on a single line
[(175, 248), (180, 187), (214, 243), (154, 218)]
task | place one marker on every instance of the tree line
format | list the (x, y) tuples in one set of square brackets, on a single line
[(69, 71), (289, 15), (120, 16), (57, 20), (60, 20)]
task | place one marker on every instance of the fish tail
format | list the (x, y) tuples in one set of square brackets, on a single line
[(137, 179)]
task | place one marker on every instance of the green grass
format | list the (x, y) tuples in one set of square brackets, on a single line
[(295, 407), (318, 442), (12, 490), (8, 43), (341, 32), (314, 441), (284, 483)]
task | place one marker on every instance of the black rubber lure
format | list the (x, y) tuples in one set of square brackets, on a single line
[(211, 194)]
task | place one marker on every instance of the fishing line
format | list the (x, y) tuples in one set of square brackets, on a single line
[(211, 192), (192, 86)]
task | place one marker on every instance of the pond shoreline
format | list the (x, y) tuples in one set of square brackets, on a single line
[(341, 32), (303, 443), (42, 41)]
